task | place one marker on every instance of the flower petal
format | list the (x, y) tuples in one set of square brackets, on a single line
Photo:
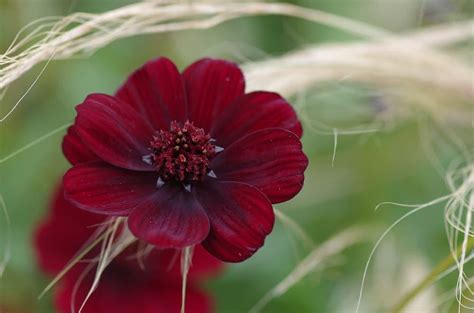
[(128, 295), (156, 91), (211, 85), (114, 131), (241, 217), (254, 111), (101, 188), (59, 237), (74, 150), (171, 218), (271, 160)]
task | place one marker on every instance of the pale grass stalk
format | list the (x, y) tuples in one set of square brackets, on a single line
[(467, 229), (416, 209), (78, 283), (111, 247), (104, 259), (316, 258), (77, 258), (114, 247), (382, 63), (35, 142), (7, 234), (143, 251), (404, 60), (442, 35), (440, 270), (186, 262), (97, 30), (447, 297), (335, 131), (295, 228), (458, 222)]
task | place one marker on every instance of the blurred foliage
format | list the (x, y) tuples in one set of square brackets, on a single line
[(390, 165)]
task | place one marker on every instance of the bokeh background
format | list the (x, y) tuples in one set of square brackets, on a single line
[(392, 164)]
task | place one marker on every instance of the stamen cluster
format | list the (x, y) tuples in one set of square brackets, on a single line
[(182, 153)]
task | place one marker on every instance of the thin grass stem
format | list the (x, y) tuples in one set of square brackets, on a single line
[(442, 266)]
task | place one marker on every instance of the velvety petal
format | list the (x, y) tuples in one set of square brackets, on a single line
[(211, 85), (114, 131), (131, 295), (67, 228), (102, 188), (156, 91), (271, 160), (56, 245), (254, 111), (63, 233), (74, 150), (241, 217), (172, 218), (49, 252)]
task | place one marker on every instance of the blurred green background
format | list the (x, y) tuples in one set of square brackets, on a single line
[(390, 165)]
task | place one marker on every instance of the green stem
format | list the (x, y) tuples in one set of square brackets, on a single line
[(445, 264)]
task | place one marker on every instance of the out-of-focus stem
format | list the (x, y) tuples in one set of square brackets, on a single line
[(445, 264)]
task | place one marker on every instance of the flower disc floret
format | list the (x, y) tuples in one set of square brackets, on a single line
[(181, 153)]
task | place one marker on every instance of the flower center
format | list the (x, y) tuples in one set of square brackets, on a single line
[(181, 154)]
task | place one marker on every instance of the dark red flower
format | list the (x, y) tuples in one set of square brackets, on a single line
[(189, 158), (127, 285)]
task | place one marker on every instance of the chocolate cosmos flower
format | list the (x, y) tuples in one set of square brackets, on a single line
[(189, 157), (133, 282)]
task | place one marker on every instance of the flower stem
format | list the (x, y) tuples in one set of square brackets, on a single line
[(445, 264)]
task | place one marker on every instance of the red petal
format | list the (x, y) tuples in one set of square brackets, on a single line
[(63, 233), (105, 189), (252, 112), (241, 217), (74, 150), (172, 218), (269, 159), (130, 295), (211, 85), (156, 91), (114, 131)]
